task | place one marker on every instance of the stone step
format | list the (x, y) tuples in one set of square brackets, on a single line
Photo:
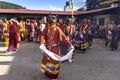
[(3, 49), (2, 44)]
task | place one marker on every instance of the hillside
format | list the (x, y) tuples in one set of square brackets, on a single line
[(7, 5)]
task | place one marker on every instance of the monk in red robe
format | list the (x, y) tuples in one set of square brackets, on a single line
[(51, 37), (13, 36)]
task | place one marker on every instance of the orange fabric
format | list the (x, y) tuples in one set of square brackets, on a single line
[(52, 26), (84, 29), (60, 25), (107, 27), (69, 30)]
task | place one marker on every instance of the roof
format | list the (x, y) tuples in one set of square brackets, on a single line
[(28, 11), (97, 10)]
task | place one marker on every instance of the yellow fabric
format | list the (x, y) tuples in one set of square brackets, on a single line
[(69, 30), (56, 65), (22, 35), (6, 36), (52, 26), (84, 46), (6, 42), (6, 27), (107, 2), (44, 68), (43, 71), (23, 24)]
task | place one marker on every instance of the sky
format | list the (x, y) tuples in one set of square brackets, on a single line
[(47, 4)]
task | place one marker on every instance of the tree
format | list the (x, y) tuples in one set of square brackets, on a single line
[(81, 9), (7, 5), (92, 4)]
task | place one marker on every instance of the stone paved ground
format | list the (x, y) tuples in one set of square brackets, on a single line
[(98, 63)]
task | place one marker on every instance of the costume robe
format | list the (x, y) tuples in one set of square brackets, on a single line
[(58, 37)]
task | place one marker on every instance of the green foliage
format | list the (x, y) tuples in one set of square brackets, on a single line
[(7, 5), (81, 9), (92, 4)]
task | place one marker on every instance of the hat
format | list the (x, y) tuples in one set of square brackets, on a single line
[(44, 19), (68, 21), (13, 20), (52, 18)]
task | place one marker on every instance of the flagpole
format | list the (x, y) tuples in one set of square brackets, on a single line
[(72, 10)]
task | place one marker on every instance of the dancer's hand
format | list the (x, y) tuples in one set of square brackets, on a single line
[(42, 47)]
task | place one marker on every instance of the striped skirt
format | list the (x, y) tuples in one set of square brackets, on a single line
[(50, 70)]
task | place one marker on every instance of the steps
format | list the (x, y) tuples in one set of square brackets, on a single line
[(2, 44), (2, 47)]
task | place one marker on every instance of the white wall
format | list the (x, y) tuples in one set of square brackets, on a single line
[(97, 17)]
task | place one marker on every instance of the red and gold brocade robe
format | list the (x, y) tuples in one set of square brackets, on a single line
[(57, 37)]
